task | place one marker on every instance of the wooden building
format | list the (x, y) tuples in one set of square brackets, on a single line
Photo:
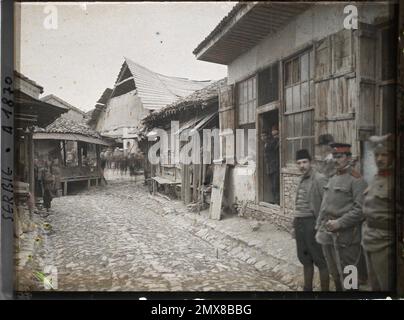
[(310, 70), (137, 92), (73, 113), (198, 111), (30, 111), (76, 149)]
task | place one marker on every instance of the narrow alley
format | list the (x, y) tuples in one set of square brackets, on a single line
[(112, 238)]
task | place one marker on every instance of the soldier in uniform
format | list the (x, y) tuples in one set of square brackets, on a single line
[(340, 218), (307, 206), (378, 228)]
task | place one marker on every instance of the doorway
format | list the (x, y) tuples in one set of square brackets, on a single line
[(269, 168)]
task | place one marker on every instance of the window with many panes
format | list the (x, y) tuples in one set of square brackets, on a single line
[(299, 104), (246, 100)]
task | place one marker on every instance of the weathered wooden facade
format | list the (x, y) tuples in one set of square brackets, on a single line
[(297, 66), (137, 92), (30, 111), (190, 182), (73, 148)]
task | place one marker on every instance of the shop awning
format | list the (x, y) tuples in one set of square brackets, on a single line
[(68, 136)]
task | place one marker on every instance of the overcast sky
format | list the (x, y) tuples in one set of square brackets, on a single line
[(83, 55)]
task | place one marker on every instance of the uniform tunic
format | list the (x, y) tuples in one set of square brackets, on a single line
[(378, 231), (342, 201)]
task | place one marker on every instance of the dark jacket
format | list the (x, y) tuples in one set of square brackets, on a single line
[(315, 192)]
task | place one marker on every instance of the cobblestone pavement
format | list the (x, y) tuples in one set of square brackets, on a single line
[(111, 238)]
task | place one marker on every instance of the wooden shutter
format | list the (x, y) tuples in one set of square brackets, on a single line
[(227, 118), (336, 88)]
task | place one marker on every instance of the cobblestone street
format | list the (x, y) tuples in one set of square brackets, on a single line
[(113, 238)]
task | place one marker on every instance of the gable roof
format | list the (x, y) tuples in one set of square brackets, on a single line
[(100, 105), (61, 101), (156, 90)]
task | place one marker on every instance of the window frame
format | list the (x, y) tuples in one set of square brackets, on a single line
[(292, 111), (246, 104)]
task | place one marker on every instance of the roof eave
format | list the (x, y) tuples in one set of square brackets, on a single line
[(245, 28)]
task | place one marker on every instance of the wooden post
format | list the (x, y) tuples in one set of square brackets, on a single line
[(88, 184), (31, 173), (65, 188), (79, 153), (64, 152), (187, 191)]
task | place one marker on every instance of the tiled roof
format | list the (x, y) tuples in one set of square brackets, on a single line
[(197, 99), (156, 90), (62, 125)]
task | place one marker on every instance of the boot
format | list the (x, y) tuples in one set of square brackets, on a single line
[(324, 279), (308, 277)]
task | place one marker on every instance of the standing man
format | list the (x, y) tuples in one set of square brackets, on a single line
[(378, 209), (340, 218), (307, 206), (272, 151)]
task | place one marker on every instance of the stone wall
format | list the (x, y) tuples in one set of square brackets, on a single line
[(290, 182)]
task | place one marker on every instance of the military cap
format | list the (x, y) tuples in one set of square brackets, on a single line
[(303, 154), (340, 147), (383, 143)]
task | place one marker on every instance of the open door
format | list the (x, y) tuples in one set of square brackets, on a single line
[(269, 168)]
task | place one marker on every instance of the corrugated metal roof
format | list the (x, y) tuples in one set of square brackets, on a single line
[(157, 90)]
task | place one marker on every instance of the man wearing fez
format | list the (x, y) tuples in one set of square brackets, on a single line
[(340, 218), (378, 228), (307, 206)]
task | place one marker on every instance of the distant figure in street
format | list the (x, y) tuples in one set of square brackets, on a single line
[(378, 209), (309, 196), (340, 218), (48, 182)]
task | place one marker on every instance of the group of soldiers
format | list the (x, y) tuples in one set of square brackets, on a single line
[(121, 162), (340, 221)]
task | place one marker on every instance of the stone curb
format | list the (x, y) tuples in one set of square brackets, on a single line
[(288, 274)]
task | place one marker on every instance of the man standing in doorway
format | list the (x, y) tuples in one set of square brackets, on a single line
[(378, 209), (272, 158), (307, 206), (340, 218)]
